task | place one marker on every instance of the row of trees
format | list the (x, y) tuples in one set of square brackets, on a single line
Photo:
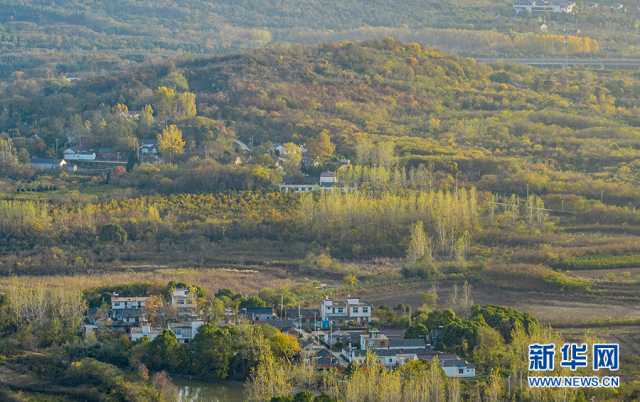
[(38, 315), (368, 222), (430, 224)]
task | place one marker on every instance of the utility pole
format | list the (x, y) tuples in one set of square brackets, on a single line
[(330, 335), (315, 326)]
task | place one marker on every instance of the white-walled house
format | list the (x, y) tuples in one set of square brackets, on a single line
[(187, 330), (359, 311), (328, 179), (458, 368), (351, 309), (182, 297), (73, 155), (145, 330), (185, 301), (298, 188), (388, 358), (544, 6), (184, 331)]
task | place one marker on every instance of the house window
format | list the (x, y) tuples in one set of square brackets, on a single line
[(365, 309), (354, 309), (340, 310), (460, 371)]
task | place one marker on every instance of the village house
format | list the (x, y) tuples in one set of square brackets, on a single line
[(544, 6), (325, 360), (388, 358), (375, 340), (298, 188), (185, 301), (350, 310), (47, 164), (287, 325), (75, 155), (130, 312), (108, 154), (148, 150), (185, 331), (144, 330), (304, 317), (328, 179), (127, 311), (257, 314), (395, 351), (458, 368)]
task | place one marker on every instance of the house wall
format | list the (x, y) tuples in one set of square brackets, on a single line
[(459, 372)]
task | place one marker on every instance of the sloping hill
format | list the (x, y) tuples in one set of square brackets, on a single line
[(79, 37), (504, 127)]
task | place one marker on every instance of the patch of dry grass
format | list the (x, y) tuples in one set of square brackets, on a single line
[(212, 279)]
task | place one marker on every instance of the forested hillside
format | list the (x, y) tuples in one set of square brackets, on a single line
[(450, 183), (79, 37), (504, 128), (408, 118)]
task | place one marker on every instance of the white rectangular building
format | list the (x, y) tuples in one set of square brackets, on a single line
[(351, 309)]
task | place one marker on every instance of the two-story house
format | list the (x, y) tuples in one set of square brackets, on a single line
[(187, 330), (258, 314), (185, 301), (350, 310), (127, 310)]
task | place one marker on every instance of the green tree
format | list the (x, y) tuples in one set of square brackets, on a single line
[(163, 353), (112, 232), (211, 351)]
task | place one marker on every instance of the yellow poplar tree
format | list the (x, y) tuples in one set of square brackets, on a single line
[(170, 142)]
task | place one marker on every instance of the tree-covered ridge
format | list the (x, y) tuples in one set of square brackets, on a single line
[(506, 127), (71, 37)]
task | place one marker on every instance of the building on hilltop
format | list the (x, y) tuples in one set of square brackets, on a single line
[(544, 6)]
